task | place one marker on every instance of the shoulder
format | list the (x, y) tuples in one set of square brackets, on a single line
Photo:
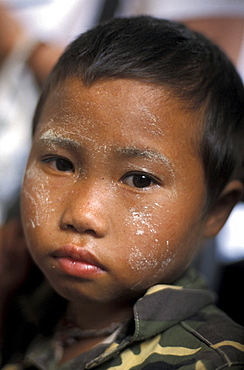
[(181, 325), (209, 340), (219, 339)]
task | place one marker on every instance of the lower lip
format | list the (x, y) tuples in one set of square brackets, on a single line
[(78, 268)]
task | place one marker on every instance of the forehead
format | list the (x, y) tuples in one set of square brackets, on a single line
[(137, 109)]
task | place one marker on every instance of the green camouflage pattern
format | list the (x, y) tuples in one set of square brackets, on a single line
[(175, 327)]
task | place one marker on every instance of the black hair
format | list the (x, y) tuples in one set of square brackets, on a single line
[(167, 53)]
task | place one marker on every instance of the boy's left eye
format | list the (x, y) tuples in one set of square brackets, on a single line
[(139, 180)]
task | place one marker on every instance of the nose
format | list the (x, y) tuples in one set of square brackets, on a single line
[(85, 210)]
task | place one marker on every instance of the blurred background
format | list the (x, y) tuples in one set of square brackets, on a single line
[(33, 33)]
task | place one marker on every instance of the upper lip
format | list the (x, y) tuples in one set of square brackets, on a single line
[(77, 254)]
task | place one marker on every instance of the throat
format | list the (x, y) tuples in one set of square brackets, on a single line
[(79, 347), (68, 333), (74, 348), (74, 341)]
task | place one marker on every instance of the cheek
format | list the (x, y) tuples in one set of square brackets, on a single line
[(37, 203), (149, 240)]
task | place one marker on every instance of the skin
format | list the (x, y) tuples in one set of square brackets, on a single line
[(114, 172)]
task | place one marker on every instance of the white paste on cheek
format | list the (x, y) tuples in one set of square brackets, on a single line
[(38, 195), (140, 262), (140, 257), (142, 220), (145, 253)]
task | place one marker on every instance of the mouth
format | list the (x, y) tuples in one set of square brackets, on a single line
[(77, 262)]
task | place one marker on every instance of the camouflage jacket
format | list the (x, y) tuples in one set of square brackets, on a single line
[(174, 327)]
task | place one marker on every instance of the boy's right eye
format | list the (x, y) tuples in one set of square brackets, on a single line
[(59, 163)]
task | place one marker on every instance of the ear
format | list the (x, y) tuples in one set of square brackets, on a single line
[(222, 208)]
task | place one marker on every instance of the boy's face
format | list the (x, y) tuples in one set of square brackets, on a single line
[(114, 189)]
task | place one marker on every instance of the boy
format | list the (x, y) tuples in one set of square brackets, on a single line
[(136, 158)]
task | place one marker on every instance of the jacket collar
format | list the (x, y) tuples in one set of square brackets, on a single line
[(166, 305), (161, 307)]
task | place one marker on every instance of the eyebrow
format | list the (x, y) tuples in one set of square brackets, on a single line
[(150, 154), (51, 137)]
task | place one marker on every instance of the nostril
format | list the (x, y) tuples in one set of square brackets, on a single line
[(73, 228), (67, 227)]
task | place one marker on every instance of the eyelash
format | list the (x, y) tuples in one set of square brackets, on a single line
[(143, 179), (59, 160)]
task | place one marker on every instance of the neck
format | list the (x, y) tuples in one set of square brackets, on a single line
[(91, 316)]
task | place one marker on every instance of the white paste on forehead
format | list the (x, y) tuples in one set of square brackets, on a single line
[(53, 135), (50, 134), (153, 126), (66, 135)]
